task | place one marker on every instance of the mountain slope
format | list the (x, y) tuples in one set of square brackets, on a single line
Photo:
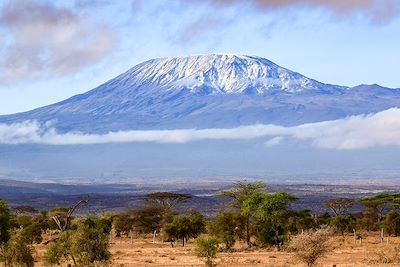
[(207, 92)]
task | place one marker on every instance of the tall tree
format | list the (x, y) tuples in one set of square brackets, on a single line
[(240, 191), (381, 203), (183, 228), (5, 217), (224, 227), (271, 209)]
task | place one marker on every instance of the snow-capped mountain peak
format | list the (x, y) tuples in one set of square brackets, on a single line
[(208, 91), (220, 73)]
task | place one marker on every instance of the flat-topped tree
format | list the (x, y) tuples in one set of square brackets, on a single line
[(25, 209), (339, 206), (167, 199), (381, 203), (241, 190)]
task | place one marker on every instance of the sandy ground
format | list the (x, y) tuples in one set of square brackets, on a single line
[(143, 252)]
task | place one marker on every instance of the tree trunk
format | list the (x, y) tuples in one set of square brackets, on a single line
[(248, 231), (277, 239), (73, 259)]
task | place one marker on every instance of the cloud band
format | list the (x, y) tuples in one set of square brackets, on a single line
[(356, 132)]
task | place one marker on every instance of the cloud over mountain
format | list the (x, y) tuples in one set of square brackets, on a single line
[(355, 132)]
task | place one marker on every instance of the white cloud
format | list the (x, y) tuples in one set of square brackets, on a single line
[(42, 39), (274, 141), (356, 132)]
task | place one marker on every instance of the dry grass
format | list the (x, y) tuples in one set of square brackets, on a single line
[(142, 252)]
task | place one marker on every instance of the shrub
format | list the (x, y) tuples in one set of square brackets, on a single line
[(17, 252), (391, 223), (85, 246), (312, 245), (207, 247)]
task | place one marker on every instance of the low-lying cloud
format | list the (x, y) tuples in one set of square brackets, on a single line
[(356, 132)]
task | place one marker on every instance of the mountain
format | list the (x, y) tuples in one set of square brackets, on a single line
[(208, 91)]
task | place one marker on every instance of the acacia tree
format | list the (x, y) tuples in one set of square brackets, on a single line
[(224, 227), (339, 206), (271, 210), (183, 228), (379, 204), (240, 191), (167, 199)]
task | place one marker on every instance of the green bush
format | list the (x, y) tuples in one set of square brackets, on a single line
[(17, 252), (225, 226), (85, 246), (206, 248), (391, 223)]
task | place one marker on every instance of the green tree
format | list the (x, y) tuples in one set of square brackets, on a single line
[(17, 252), (149, 219), (271, 210), (379, 203), (207, 248), (123, 223), (391, 223), (5, 217), (224, 227), (300, 220), (183, 228), (33, 233), (343, 223), (85, 246), (240, 191), (31, 226)]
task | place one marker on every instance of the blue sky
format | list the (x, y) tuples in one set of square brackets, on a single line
[(53, 50)]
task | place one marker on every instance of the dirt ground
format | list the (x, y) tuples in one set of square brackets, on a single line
[(141, 251)]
